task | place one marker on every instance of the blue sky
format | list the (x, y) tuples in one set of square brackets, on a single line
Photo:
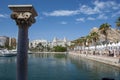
[(61, 18)]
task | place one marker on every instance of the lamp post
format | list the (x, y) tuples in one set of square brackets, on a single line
[(24, 16)]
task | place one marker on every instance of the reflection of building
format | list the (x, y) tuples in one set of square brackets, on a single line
[(61, 42), (4, 41), (34, 43)]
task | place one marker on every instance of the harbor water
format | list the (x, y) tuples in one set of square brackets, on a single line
[(58, 67)]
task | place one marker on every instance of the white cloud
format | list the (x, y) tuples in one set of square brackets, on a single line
[(106, 5), (98, 7), (63, 22), (88, 10), (3, 16), (102, 16), (98, 4), (61, 13), (90, 18), (81, 19)]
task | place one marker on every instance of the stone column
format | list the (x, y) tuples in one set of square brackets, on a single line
[(22, 47), (24, 18)]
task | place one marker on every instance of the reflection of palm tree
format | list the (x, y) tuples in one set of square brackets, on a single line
[(95, 37), (118, 22), (104, 28)]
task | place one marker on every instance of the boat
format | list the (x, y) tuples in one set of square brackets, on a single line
[(15, 51), (6, 53)]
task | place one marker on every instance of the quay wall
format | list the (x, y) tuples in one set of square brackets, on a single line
[(115, 61), (51, 52)]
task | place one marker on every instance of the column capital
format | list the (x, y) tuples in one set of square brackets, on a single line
[(24, 15), (23, 18)]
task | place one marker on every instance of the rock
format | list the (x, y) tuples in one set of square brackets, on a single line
[(113, 34)]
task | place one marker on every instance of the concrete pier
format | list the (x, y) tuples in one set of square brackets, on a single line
[(114, 61)]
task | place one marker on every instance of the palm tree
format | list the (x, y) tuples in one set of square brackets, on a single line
[(40, 47), (95, 38), (88, 40), (103, 29), (118, 23), (83, 40)]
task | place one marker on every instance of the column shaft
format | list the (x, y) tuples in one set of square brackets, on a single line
[(22, 53)]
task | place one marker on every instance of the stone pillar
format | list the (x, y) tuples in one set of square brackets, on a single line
[(22, 46), (24, 17)]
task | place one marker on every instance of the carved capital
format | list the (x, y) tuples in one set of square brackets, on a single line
[(23, 18)]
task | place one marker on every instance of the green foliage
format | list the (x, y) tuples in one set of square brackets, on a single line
[(1, 46), (59, 49), (118, 23), (104, 27), (94, 36)]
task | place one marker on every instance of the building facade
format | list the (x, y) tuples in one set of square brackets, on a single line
[(12, 42), (35, 43), (7, 42), (4, 41), (60, 42)]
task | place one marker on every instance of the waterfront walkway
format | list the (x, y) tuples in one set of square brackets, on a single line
[(115, 61)]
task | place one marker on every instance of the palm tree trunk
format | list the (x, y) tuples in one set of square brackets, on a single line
[(106, 40)]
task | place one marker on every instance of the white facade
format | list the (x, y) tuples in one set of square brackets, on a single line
[(3, 40), (34, 43), (61, 42)]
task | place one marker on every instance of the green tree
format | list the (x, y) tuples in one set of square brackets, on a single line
[(103, 29), (40, 47), (59, 49), (88, 40), (94, 37), (118, 23)]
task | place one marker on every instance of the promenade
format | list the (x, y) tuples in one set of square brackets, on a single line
[(115, 61)]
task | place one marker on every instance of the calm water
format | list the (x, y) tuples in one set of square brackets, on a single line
[(58, 67)]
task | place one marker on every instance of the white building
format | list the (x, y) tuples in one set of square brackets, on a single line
[(61, 42), (4, 40), (34, 43)]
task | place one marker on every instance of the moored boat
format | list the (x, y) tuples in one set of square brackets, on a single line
[(6, 53)]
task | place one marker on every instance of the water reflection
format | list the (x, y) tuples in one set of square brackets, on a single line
[(7, 68), (58, 67), (48, 55), (95, 69), (7, 59)]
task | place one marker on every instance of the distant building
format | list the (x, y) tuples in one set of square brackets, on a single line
[(4, 41), (34, 43), (7, 42), (60, 42), (12, 42)]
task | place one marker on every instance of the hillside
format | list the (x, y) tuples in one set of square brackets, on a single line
[(113, 34)]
